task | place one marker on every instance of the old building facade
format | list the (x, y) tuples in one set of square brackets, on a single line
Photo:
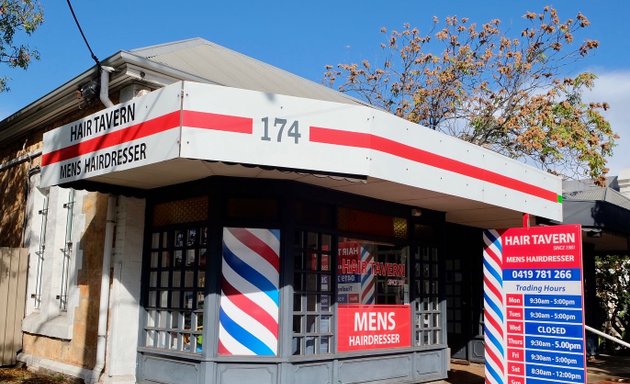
[(213, 219)]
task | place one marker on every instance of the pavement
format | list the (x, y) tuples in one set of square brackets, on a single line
[(603, 369)]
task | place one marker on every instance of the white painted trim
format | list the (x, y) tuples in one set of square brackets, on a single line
[(122, 338)]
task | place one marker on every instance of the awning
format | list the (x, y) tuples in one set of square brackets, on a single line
[(188, 131), (605, 223)]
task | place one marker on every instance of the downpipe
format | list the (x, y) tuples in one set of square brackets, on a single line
[(104, 92), (103, 308)]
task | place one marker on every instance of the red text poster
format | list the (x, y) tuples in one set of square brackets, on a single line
[(348, 280), (365, 327)]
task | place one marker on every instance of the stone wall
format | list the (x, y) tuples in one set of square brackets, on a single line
[(14, 184)]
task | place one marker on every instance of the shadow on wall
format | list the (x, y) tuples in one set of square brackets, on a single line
[(13, 200), (89, 275)]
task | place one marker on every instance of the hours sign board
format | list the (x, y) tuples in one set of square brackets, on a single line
[(533, 300)]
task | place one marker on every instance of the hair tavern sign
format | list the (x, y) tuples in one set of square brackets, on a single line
[(189, 120)]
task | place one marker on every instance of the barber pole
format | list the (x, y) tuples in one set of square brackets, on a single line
[(367, 278), (494, 316), (250, 294)]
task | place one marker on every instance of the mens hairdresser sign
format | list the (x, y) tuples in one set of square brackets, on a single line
[(129, 135)]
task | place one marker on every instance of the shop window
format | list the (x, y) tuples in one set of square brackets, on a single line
[(370, 223), (190, 210), (312, 300), (371, 273), (425, 233), (453, 294), (314, 214), (176, 282), (252, 208), (427, 304), (373, 295)]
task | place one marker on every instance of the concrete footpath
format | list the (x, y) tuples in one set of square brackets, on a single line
[(602, 369)]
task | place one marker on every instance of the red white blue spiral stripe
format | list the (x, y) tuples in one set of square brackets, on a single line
[(494, 312), (250, 295), (367, 278)]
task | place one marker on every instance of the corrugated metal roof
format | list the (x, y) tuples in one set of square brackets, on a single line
[(222, 66), (600, 194), (588, 184)]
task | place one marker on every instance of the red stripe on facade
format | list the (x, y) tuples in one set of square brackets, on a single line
[(121, 136), (258, 246), (217, 122), (381, 144), (335, 136), (150, 127), (249, 307)]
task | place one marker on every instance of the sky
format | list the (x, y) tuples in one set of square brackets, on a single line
[(303, 37)]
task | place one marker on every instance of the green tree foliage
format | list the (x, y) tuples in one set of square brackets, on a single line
[(17, 17), (612, 274), (483, 86)]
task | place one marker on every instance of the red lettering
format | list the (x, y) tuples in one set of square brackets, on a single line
[(345, 266)]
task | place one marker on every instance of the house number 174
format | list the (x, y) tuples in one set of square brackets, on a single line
[(279, 129)]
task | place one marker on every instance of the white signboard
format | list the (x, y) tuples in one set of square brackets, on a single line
[(142, 131), (236, 125), (215, 123)]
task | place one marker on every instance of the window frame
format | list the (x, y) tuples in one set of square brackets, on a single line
[(302, 250), (158, 328), (428, 304), (289, 195)]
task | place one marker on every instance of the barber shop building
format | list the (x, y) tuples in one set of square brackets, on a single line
[(203, 217)]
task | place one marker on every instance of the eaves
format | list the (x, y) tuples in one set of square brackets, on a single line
[(129, 69)]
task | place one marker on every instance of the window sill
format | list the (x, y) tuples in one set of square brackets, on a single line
[(39, 323)]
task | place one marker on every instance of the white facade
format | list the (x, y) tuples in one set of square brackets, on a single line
[(125, 292)]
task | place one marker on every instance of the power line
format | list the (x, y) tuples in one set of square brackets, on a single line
[(98, 63)]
